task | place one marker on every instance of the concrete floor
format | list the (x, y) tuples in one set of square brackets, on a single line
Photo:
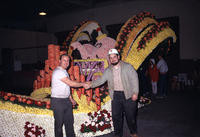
[(176, 116)]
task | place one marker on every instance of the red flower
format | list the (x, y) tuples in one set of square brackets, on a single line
[(48, 106), (95, 114), (19, 99), (105, 111), (29, 102), (34, 130), (39, 103), (9, 94), (5, 97), (82, 129), (89, 114), (12, 98), (24, 100)]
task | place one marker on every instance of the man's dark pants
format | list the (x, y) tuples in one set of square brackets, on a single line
[(121, 107), (62, 110), (163, 84)]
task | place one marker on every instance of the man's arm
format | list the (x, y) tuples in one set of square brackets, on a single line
[(71, 83), (96, 83), (135, 83), (101, 80)]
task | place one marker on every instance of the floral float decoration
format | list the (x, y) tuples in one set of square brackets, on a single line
[(90, 42), (13, 111), (24, 100), (97, 121), (32, 130), (140, 35), (131, 29)]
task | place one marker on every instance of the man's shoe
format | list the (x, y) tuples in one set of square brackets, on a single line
[(134, 135)]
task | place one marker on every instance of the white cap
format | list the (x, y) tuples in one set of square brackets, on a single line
[(152, 60), (112, 51)]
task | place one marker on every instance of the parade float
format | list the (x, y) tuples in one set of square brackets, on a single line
[(88, 47)]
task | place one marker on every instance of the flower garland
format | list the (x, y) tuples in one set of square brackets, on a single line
[(32, 130), (134, 34), (136, 57), (99, 120), (152, 33), (128, 27), (23, 100), (26, 104), (133, 56)]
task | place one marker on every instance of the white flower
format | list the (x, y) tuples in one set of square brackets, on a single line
[(33, 129), (95, 119), (107, 119), (30, 133), (101, 123), (29, 125), (93, 123)]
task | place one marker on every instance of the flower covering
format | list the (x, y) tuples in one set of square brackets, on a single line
[(14, 115), (134, 24), (99, 120), (139, 36), (32, 130)]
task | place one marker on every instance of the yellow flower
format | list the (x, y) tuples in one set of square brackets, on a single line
[(21, 109), (41, 93), (136, 57), (133, 56)]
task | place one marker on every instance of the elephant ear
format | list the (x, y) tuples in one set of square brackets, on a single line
[(85, 33)]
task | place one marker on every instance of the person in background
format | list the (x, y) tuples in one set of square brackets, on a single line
[(143, 80), (154, 75), (123, 87), (163, 69), (61, 99)]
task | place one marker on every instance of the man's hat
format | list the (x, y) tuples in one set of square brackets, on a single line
[(152, 60), (113, 51)]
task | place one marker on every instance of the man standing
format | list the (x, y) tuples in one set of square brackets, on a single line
[(163, 69), (123, 87), (61, 100)]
